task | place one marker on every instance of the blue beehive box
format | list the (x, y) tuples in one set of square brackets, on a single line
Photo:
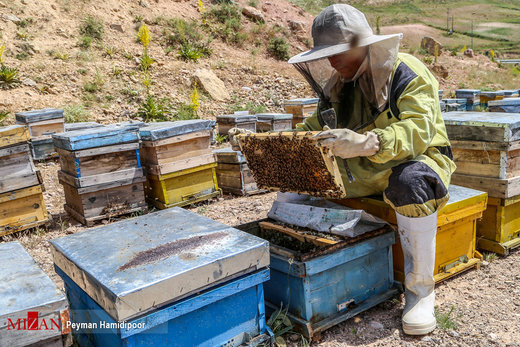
[(511, 93), (472, 97), (323, 286), (33, 311), (81, 126), (96, 137), (176, 278), (509, 105)]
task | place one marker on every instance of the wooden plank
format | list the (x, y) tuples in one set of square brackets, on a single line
[(176, 139), (165, 130), (103, 150), (12, 135), (301, 236), (21, 210), (485, 145), (175, 151), (17, 170), (164, 169), (38, 115), (95, 180), (47, 127), (495, 187), (7, 151), (20, 193)]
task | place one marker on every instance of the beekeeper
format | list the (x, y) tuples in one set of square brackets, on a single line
[(390, 137)]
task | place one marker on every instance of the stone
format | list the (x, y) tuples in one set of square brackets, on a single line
[(296, 25), (427, 339), (441, 70), (469, 53), (29, 82), (484, 263), (376, 325), (13, 18), (211, 84), (117, 27), (453, 333), (253, 14), (429, 43)]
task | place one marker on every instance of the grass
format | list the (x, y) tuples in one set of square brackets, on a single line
[(8, 77), (446, 321), (489, 257), (3, 116), (92, 27), (239, 105), (95, 84), (220, 138), (75, 113), (186, 38)]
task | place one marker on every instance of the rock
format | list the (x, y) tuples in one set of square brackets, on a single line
[(117, 27), (453, 333), (484, 263), (427, 339), (429, 43), (143, 3), (209, 82), (296, 25), (376, 325), (29, 82), (469, 53), (13, 18), (493, 337), (253, 13), (441, 70), (247, 89)]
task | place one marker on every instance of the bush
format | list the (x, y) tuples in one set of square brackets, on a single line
[(153, 110), (8, 77), (85, 42), (193, 52), (224, 12), (94, 85), (185, 112), (187, 35), (92, 27), (278, 48), (229, 18), (75, 113)]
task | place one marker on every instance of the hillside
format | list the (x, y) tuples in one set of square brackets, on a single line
[(85, 56)]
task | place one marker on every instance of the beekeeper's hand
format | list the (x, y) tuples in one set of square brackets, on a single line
[(345, 143), (232, 133)]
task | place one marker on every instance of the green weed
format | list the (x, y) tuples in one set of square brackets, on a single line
[(92, 27), (153, 109), (445, 321), (8, 77), (75, 113), (278, 48), (489, 257)]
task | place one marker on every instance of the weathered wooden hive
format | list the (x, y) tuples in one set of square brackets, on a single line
[(101, 172), (233, 174), (42, 125), (301, 109), (21, 199), (509, 105), (273, 122), (486, 149), (292, 162), (168, 278), (472, 97), (242, 121), (180, 165)]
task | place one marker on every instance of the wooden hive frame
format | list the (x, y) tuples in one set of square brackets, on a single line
[(320, 173)]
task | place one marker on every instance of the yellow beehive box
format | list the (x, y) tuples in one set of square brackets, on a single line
[(456, 230), (499, 229), (183, 187), (22, 209), (13, 135)]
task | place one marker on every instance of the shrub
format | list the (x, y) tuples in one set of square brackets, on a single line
[(8, 77), (95, 85), (278, 48), (185, 112), (85, 42), (75, 113), (189, 53), (92, 27), (152, 109)]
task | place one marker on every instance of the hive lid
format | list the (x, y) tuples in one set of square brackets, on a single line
[(38, 115), (24, 286), (81, 126), (509, 92), (504, 102), (274, 116), (483, 126), (233, 118), (162, 130), (492, 94), (139, 264), (455, 101), (468, 91), (228, 155), (96, 137), (301, 101)]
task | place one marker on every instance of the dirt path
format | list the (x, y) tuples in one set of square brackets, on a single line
[(485, 304)]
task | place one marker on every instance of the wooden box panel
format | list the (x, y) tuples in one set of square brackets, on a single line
[(499, 229), (456, 230), (223, 128), (88, 205), (495, 187), (17, 169), (275, 125), (183, 187), (482, 126), (43, 148), (22, 209), (236, 179), (46, 127), (13, 134)]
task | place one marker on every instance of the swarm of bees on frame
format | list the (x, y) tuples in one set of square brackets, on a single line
[(289, 164)]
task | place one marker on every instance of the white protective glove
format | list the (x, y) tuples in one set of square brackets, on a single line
[(232, 133), (345, 143)]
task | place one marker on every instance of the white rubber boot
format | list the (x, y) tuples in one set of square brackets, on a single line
[(418, 242)]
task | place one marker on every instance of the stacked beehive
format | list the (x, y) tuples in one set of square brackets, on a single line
[(180, 166), (237, 120), (42, 124), (21, 199), (101, 172), (273, 122), (233, 174), (486, 97), (455, 104), (509, 105), (486, 149), (511, 93), (472, 97), (301, 109)]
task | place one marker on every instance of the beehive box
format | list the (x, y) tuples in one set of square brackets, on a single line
[(183, 187), (233, 175), (81, 126), (33, 311), (441, 92), (455, 104), (176, 278), (13, 135), (509, 105), (226, 122), (43, 122), (292, 162), (42, 148), (485, 97), (101, 172), (485, 147), (325, 285), (510, 93), (499, 229), (22, 209), (301, 109), (456, 230), (17, 169), (274, 122), (174, 146), (472, 97)]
